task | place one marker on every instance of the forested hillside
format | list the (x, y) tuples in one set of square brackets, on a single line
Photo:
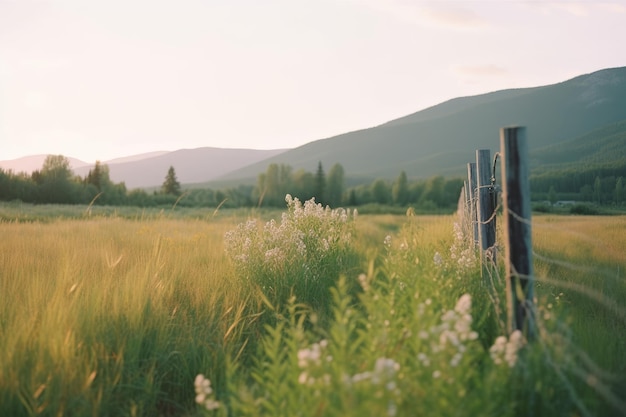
[(438, 140), (588, 168)]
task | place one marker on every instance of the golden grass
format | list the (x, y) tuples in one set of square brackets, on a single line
[(86, 302), (92, 305), (580, 267), (598, 238)]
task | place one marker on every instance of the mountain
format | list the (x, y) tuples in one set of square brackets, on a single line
[(149, 169), (603, 147), (191, 165), (441, 140), (32, 163), (571, 119)]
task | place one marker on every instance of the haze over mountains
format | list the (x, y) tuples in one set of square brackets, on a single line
[(150, 169), (439, 140), (191, 165)]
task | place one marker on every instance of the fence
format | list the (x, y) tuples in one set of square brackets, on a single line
[(479, 204)]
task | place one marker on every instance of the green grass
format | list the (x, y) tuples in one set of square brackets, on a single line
[(116, 314)]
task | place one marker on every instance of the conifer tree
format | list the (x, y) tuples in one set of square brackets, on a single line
[(171, 184), (400, 190), (320, 184), (335, 186)]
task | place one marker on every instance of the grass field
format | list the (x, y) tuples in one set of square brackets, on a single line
[(116, 312)]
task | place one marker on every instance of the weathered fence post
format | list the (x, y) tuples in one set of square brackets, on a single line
[(517, 229), (485, 208), (471, 179)]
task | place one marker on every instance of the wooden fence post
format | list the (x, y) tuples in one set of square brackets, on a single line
[(471, 179), (517, 229), (486, 217)]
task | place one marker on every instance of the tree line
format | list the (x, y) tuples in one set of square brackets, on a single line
[(604, 185), (55, 183)]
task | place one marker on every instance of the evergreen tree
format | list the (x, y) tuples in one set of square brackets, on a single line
[(620, 192), (171, 184), (320, 184), (552, 195), (380, 191), (597, 190), (400, 190), (335, 186), (94, 177)]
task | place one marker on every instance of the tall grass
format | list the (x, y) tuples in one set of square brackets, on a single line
[(112, 317), (580, 264), (406, 345), (422, 338), (116, 315), (302, 255)]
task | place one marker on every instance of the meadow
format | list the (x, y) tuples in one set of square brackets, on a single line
[(120, 312)]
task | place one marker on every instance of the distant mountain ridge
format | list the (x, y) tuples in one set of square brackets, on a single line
[(191, 165), (31, 163), (439, 140), (149, 169)]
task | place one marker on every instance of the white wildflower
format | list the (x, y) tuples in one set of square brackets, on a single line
[(504, 350), (361, 377), (303, 378), (464, 305), (204, 392), (384, 370), (364, 282), (312, 355), (438, 259)]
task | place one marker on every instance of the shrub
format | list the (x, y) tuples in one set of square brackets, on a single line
[(303, 255), (584, 209)]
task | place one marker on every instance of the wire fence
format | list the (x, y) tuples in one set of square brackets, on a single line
[(485, 201)]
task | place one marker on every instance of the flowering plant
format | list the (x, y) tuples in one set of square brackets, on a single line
[(303, 254)]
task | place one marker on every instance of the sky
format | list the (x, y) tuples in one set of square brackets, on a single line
[(97, 80)]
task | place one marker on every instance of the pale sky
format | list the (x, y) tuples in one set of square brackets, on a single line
[(111, 78)]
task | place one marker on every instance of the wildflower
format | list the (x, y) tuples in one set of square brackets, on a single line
[(516, 341), (423, 359), (361, 377), (504, 350), (438, 259), (364, 282), (203, 393), (299, 245), (464, 305), (312, 355), (384, 370), (456, 359)]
